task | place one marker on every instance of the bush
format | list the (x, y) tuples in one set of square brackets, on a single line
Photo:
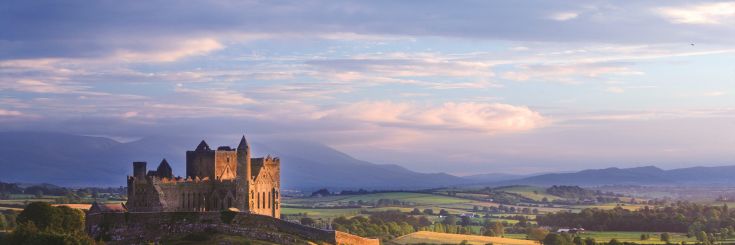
[(227, 216)]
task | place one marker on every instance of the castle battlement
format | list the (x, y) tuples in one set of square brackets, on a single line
[(215, 180)]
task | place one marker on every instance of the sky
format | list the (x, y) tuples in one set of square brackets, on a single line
[(463, 87)]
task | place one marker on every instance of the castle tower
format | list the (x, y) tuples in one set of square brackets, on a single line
[(244, 175), (243, 159), (139, 169), (164, 170), (200, 162)]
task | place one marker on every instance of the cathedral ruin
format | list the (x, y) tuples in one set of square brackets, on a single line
[(220, 179)]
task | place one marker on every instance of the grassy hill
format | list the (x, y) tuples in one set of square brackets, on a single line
[(442, 238)]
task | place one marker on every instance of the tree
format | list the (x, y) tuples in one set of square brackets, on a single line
[(450, 220), (495, 229), (429, 211), (554, 239), (536, 234), (443, 212), (701, 236), (614, 242), (321, 192), (3, 222), (577, 240), (589, 241), (416, 211), (39, 194), (41, 223), (665, 237), (423, 221), (307, 221), (466, 221), (43, 215)]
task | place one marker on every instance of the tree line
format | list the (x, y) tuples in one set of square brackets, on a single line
[(41, 223), (685, 217)]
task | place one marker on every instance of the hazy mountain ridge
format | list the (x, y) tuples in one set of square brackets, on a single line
[(73, 160), (648, 175)]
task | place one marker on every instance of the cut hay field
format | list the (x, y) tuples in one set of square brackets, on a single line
[(441, 238)]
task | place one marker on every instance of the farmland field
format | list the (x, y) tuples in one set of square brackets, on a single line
[(418, 198), (531, 192), (441, 238)]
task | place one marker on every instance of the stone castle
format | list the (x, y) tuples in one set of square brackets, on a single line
[(221, 179), (225, 191)]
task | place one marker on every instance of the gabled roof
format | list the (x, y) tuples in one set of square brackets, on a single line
[(203, 146)]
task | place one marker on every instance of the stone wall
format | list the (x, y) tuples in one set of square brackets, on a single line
[(133, 228)]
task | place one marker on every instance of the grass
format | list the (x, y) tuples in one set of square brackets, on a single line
[(530, 192), (439, 238), (321, 212)]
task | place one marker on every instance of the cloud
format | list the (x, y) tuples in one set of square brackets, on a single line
[(178, 50), (36, 86), (216, 96), (615, 90), (715, 93), (703, 13), (79, 29), (564, 16), (483, 117), (9, 113), (567, 73)]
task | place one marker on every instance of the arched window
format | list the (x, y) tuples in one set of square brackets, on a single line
[(264, 199), (269, 200), (258, 201)]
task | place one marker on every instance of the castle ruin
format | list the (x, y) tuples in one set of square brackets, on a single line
[(220, 179)]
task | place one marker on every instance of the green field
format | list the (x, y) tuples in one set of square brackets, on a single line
[(321, 212), (531, 192), (418, 198)]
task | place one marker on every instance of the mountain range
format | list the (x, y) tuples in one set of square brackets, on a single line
[(75, 160)]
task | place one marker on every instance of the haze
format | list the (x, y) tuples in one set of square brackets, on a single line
[(462, 87)]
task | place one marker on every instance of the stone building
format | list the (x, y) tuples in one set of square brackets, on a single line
[(215, 180)]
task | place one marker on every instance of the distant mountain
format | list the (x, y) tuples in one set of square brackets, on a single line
[(649, 175), (493, 177), (74, 160)]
